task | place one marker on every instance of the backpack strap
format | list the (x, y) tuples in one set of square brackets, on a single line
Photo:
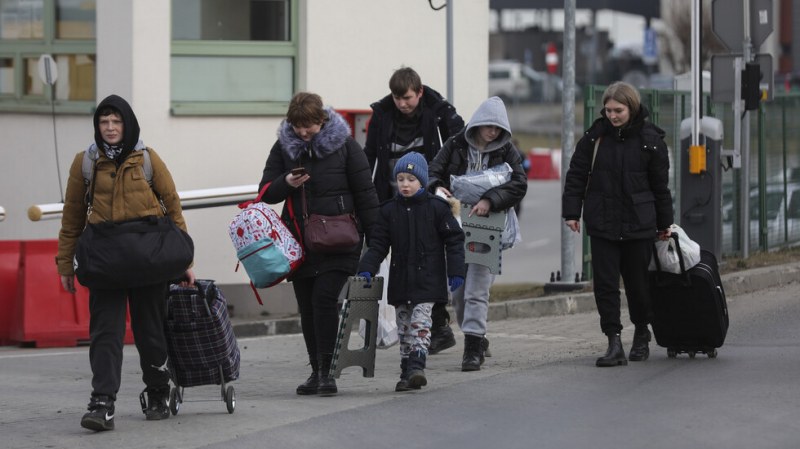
[(92, 154), (89, 167), (147, 167)]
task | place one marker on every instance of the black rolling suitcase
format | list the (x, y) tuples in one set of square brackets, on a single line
[(690, 313), (200, 341)]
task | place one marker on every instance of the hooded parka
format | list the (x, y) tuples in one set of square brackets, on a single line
[(340, 183), (121, 191), (454, 157)]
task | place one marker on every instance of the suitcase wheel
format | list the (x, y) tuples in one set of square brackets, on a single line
[(671, 353), (175, 399), (692, 354), (712, 354), (230, 399)]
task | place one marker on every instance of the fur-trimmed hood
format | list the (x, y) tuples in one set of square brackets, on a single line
[(331, 137)]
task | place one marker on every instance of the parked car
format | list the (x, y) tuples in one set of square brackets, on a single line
[(782, 217), (512, 80)]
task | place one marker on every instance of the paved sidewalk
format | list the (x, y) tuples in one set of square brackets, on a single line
[(737, 283)]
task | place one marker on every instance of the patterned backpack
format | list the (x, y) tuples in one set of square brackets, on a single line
[(263, 244)]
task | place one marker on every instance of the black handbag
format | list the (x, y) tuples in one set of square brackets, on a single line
[(132, 253)]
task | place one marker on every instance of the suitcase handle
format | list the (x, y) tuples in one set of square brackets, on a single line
[(201, 293), (686, 279)]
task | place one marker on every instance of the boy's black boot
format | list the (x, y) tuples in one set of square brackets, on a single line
[(640, 349), (327, 384), (157, 405), (416, 370), (402, 384), (473, 348), (311, 384), (441, 334), (101, 414), (615, 355), (441, 338)]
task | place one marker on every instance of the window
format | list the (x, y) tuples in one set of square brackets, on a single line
[(233, 57), (64, 29)]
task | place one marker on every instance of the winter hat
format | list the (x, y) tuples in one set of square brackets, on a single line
[(415, 164)]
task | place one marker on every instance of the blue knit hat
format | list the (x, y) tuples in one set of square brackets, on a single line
[(415, 164)]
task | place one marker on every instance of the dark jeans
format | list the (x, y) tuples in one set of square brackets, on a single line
[(628, 258), (319, 311), (107, 309)]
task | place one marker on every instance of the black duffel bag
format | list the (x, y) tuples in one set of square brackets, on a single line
[(132, 253)]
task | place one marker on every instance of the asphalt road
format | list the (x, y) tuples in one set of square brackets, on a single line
[(539, 390), (539, 253)]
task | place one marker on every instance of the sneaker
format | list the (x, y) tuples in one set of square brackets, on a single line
[(101, 414), (157, 405)]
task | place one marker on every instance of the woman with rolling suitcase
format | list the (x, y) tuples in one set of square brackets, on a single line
[(618, 177)]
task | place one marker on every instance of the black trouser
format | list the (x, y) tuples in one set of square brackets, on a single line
[(319, 312), (107, 309), (628, 258), (439, 316)]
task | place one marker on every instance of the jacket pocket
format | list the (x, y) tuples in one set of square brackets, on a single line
[(644, 205), (596, 213)]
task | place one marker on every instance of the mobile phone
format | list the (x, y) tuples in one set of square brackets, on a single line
[(299, 171)]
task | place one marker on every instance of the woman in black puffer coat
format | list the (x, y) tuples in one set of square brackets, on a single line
[(626, 203), (337, 181)]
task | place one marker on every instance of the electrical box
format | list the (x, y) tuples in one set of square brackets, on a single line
[(701, 184)]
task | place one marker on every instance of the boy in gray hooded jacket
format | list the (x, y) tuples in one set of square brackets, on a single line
[(484, 143)]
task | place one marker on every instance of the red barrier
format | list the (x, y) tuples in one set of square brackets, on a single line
[(46, 315), (542, 165), (9, 272), (358, 119)]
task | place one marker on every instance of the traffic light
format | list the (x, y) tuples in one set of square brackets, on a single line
[(751, 93)]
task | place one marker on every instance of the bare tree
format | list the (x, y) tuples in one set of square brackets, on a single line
[(676, 37)]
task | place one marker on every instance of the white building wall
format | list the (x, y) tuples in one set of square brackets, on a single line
[(348, 50), (353, 46)]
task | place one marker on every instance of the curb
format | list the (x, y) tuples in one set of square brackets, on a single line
[(735, 284)]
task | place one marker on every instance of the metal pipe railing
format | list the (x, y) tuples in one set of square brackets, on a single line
[(2, 213), (190, 199)]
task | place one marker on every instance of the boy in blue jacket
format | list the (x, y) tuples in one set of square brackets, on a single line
[(427, 246)]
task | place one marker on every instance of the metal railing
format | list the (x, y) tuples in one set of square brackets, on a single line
[(190, 199), (2, 213)]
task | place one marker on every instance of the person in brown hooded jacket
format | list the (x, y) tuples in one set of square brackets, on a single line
[(120, 192)]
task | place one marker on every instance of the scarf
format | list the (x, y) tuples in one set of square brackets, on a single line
[(112, 151)]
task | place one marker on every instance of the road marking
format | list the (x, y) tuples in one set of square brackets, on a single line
[(537, 243), (537, 337), (40, 354)]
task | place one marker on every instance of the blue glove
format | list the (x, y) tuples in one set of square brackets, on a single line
[(367, 275), (455, 282)]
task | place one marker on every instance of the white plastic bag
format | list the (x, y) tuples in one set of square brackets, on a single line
[(668, 255), (511, 234), (470, 188), (387, 322)]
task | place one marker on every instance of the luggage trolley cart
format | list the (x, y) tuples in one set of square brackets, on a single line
[(200, 342)]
